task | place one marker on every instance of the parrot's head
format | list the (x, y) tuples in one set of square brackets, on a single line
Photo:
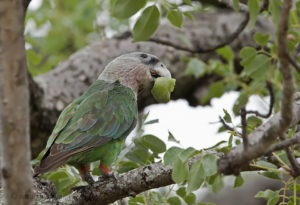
[(136, 70)]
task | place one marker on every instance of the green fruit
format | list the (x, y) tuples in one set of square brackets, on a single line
[(162, 89)]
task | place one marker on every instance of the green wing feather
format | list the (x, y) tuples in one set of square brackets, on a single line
[(104, 112)]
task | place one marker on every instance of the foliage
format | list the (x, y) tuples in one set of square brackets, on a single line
[(72, 25)]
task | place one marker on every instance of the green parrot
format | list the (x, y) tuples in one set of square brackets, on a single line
[(95, 125)]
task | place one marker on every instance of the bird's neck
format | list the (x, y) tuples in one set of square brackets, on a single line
[(133, 78)]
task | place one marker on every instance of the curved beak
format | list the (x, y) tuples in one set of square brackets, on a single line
[(160, 70)]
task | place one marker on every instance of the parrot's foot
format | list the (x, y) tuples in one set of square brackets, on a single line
[(115, 175), (88, 178), (85, 175)]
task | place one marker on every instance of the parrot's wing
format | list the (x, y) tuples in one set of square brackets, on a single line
[(96, 118)]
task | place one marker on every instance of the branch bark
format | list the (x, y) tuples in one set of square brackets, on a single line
[(288, 81), (14, 105)]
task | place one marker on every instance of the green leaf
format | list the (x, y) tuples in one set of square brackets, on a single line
[(189, 15), (190, 199), (196, 176), (209, 162), (135, 157), (196, 68), (258, 67), (266, 164), (175, 17), (269, 195), (147, 24), (274, 9), (188, 2), (239, 181), (271, 175), (226, 52), (227, 117), (187, 153), (174, 200), (163, 86), (236, 5), (253, 6), (155, 197), (155, 144), (261, 39), (180, 171), (124, 166), (181, 192), (240, 102), (151, 122), (217, 184), (123, 9), (171, 155), (216, 145), (215, 90), (138, 198), (247, 54), (171, 138)]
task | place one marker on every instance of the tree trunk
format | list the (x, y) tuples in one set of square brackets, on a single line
[(14, 105)]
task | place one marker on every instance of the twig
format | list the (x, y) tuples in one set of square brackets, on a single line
[(226, 41), (227, 127), (272, 99), (283, 144), (244, 127), (293, 161), (294, 63)]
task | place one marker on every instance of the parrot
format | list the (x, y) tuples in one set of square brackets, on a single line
[(94, 126)]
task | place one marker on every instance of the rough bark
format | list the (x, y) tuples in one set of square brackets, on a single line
[(14, 105), (52, 91)]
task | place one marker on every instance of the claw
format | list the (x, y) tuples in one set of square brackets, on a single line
[(85, 175)]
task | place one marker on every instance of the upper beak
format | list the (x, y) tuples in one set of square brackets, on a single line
[(160, 70)]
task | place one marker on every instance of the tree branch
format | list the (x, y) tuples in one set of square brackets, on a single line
[(285, 69), (244, 127), (221, 44), (288, 81), (294, 63), (283, 144)]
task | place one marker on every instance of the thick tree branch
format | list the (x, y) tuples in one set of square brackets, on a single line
[(288, 81), (285, 69)]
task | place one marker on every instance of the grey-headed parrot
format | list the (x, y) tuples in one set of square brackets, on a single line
[(95, 125)]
